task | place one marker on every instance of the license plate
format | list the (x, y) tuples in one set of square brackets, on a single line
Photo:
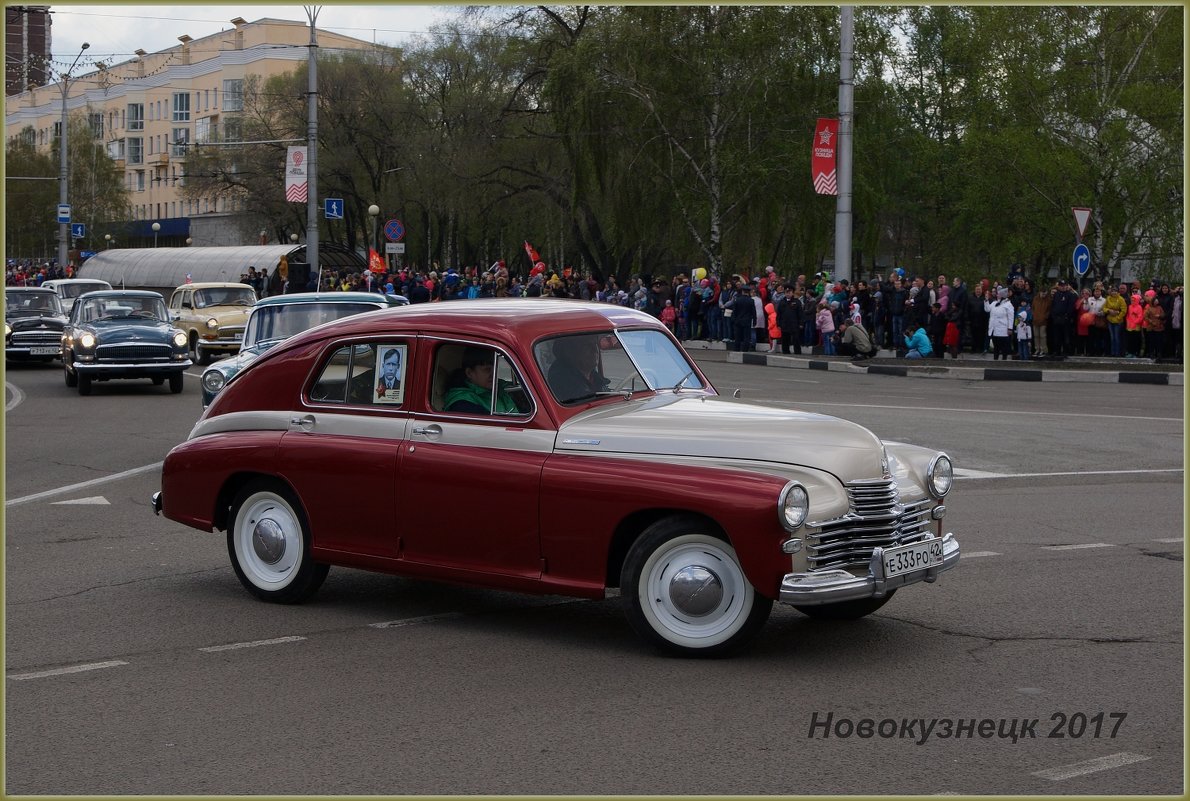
[(50, 351), (239, 337), (911, 558)]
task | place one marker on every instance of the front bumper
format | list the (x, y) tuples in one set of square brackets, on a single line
[(131, 370), (222, 345), (26, 352), (833, 586)]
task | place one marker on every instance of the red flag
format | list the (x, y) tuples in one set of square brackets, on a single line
[(375, 263), (822, 156), (533, 257)]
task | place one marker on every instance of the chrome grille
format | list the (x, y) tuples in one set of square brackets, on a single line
[(25, 338), (877, 518), (132, 353)]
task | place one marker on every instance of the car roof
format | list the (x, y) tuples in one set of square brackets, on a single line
[(123, 293), (324, 297), (38, 289), (213, 285), (522, 319), (74, 281)]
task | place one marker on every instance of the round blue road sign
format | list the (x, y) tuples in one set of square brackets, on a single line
[(394, 230), (1082, 259)]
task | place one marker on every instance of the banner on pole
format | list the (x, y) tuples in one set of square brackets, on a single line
[(822, 156), (295, 174)]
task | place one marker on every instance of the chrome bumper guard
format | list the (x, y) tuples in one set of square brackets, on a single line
[(832, 586), (93, 367), (157, 502)]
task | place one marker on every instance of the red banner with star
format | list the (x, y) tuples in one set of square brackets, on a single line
[(822, 156)]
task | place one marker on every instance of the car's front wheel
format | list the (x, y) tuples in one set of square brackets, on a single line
[(686, 593), (84, 383), (72, 379), (845, 610), (269, 544), (175, 382)]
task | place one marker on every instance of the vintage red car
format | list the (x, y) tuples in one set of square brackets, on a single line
[(553, 447)]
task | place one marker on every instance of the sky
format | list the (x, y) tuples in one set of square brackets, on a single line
[(115, 33)]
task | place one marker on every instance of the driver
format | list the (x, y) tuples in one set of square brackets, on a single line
[(575, 372)]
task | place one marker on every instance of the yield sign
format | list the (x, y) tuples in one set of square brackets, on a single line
[(1081, 216)]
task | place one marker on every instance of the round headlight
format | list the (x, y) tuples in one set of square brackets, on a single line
[(7, 329), (212, 323), (940, 476), (180, 339), (213, 381), (87, 340), (793, 506)]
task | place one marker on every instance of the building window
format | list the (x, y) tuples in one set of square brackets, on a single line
[(181, 107), (96, 121), (57, 130), (151, 143), (181, 139), (140, 180), (136, 150), (136, 116), (215, 99), (233, 95), (206, 99), (233, 129), (115, 149), (202, 130)]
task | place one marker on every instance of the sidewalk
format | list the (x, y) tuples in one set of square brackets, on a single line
[(970, 367)]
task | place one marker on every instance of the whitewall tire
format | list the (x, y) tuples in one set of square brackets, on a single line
[(269, 545)]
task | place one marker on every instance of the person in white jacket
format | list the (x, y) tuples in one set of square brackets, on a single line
[(1000, 324)]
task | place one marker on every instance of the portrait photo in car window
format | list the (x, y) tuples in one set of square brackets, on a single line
[(391, 366)]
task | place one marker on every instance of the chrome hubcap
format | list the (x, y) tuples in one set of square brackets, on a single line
[(268, 541), (696, 591)]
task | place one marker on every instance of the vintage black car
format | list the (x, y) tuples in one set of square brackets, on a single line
[(123, 334), (33, 323)]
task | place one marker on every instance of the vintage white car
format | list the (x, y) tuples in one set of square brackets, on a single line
[(554, 447)]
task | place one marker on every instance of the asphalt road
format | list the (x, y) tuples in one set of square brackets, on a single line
[(1068, 603)]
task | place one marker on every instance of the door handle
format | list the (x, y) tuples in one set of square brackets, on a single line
[(432, 430), (305, 422)]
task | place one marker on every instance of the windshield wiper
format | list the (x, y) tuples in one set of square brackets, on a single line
[(678, 386)]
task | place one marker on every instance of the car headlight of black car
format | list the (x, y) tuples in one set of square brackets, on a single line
[(213, 381), (179, 339), (7, 330), (86, 340)]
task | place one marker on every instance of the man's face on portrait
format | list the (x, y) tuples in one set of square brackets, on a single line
[(392, 365)]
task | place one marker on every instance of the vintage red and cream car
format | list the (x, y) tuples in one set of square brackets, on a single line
[(552, 447)]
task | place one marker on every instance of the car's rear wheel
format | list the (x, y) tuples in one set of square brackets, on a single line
[(269, 544), (175, 382), (84, 383), (686, 593), (845, 610), (72, 380)]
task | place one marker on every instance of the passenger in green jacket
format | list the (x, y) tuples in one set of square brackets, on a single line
[(474, 392)]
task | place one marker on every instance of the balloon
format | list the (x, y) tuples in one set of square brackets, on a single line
[(700, 273)]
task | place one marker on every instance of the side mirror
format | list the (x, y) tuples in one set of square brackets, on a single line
[(735, 394)]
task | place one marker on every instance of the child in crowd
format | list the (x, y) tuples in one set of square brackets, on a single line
[(1024, 332)]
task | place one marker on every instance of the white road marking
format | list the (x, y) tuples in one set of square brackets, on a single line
[(1090, 766), (977, 554), (1172, 539), (94, 500), (73, 487), (414, 621), (255, 644), (63, 671), (975, 411), (1077, 547), (17, 396), (975, 475)]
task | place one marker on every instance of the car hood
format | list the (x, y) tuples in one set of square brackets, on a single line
[(127, 329), (233, 364), (227, 315), (28, 323), (694, 425)]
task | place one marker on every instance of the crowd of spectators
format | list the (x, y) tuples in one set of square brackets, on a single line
[(26, 272)]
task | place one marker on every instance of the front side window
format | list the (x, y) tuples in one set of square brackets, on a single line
[(181, 107), (477, 380), (136, 117), (363, 374)]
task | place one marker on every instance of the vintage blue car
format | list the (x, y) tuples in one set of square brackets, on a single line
[(278, 317), (33, 323), (123, 334)]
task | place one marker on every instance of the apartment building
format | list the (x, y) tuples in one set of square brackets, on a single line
[(148, 109), (26, 47)]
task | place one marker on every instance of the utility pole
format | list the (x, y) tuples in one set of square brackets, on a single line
[(312, 149), (846, 114), (64, 170)]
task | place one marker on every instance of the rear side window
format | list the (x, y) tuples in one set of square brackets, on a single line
[(367, 374)]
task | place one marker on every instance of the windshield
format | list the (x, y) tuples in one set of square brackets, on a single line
[(117, 308), (31, 304), (285, 320), (76, 289), (579, 367), (224, 296)]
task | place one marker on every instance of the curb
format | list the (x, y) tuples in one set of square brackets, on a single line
[(960, 373)]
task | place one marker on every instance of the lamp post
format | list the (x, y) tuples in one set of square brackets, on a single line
[(374, 213), (189, 241), (293, 238), (107, 238), (63, 175), (156, 228)]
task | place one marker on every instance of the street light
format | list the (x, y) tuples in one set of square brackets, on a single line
[(189, 241), (293, 238), (107, 238), (63, 175), (156, 228), (373, 212)]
